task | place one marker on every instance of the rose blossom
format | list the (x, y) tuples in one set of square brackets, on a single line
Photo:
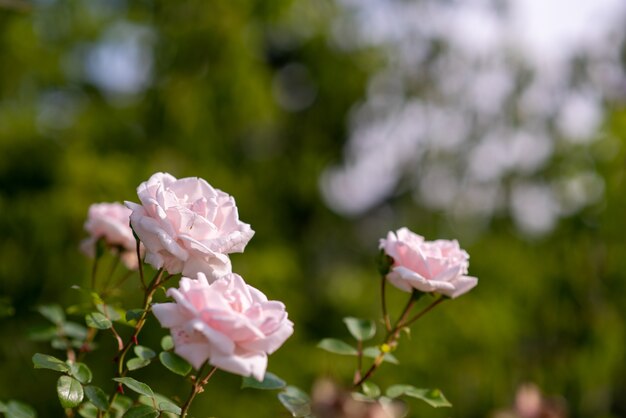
[(110, 222), (187, 226), (429, 266), (228, 323)]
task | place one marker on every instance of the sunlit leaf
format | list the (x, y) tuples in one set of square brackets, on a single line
[(337, 347), (296, 401), (88, 409), (163, 403), (98, 321), (370, 389), (373, 352), (433, 397), (81, 372), (175, 363), (97, 397), (70, 391), (135, 385), (53, 313), (167, 343), (141, 411), (108, 311), (270, 382), (137, 363), (144, 352), (44, 361), (361, 329)]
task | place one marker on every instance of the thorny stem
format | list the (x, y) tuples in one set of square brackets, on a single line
[(198, 387), (392, 336)]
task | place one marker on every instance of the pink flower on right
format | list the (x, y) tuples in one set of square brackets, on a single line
[(428, 266)]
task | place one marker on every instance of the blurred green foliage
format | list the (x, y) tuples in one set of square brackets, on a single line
[(549, 310)]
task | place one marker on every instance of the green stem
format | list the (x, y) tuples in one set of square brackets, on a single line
[(383, 284), (198, 387)]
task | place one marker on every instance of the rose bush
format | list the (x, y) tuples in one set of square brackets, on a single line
[(439, 266), (110, 222), (228, 323), (187, 226)]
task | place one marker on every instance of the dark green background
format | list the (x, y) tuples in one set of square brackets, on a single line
[(548, 310)]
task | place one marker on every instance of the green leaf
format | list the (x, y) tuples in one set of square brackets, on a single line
[(98, 321), (42, 332), (137, 363), (53, 313), (17, 409), (144, 352), (70, 391), (270, 382), (164, 404), (74, 330), (373, 352), (81, 372), (133, 314), (370, 389), (175, 363), (3, 407), (97, 397), (44, 361), (108, 311), (167, 343), (361, 329), (141, 411), (122, 403), (168, 406), (296, 401), (337, 347), (433, 397), (135, 386), (88, 410)]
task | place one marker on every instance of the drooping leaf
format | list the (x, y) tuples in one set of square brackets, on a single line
[(296, 401), (98, 321), (175, 363), (137, 363), (97, 397), (270, 382), (337, 347), (70, 391), (144, 352), (361, 329), (373, 352), (141, 411), (17, 409), (53, 313), (167, 343), (135, 385), (44, 361), (370, 389), (81, 372), (433, 397)]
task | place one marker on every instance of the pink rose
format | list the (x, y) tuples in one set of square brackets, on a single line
[(110, 222), (187, 226), (228, 323), (428, 266)]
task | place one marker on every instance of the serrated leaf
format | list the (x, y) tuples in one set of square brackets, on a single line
[(144, 352), (133, 314), (167, 343), (17, 409), (361, 329), (108, 311), (174, 363), (44, 361), (270, 382), (88, 409), (141, 411), (433, 397), (296, 401), (370, 389), (97, 397), (372, 352), (337, 346), (81, 372), (98, 321), (137, 363), (135, 386), (70, 391), (53, 313)]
